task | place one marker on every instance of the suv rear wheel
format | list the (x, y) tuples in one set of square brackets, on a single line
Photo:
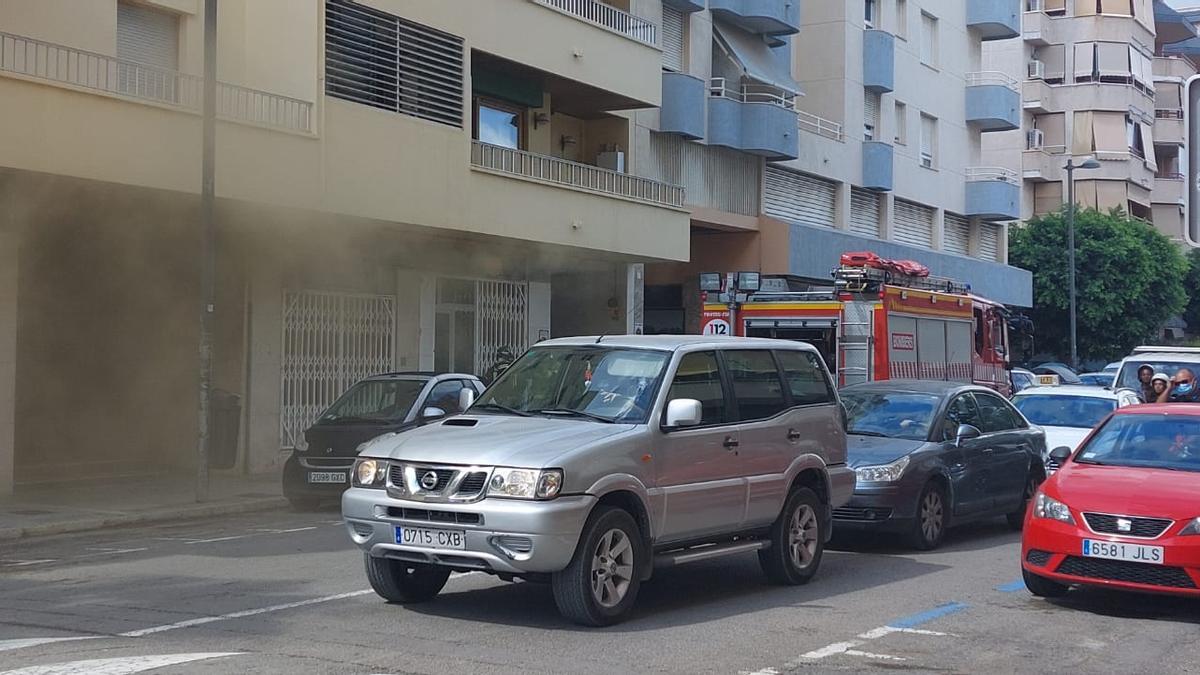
[(797, 542), (399, 581), (601, 584)]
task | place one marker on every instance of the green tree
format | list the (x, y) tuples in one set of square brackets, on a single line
[(1192, 313), (1129, 280)]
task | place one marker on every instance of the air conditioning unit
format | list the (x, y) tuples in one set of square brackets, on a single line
[(1036, 70), (1035, 5), (1035, 139)]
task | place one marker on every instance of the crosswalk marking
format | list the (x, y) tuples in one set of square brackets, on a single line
[(117, 666), (21, 643)]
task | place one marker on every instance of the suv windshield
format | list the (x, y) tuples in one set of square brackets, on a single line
[(375, 401), (1048, 410), (1128, 379), (602, 383), (891, 414), (1148, 441)]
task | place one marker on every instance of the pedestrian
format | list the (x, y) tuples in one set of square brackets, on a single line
[(1146, 387), (1161, 383), (1183, 388)]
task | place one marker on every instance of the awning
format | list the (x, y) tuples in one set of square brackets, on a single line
[(759, 61), (1170, 25)]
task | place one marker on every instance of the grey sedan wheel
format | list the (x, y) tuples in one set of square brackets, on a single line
[(929, 525)]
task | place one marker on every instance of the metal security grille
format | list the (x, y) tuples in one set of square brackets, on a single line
[(330, 341), (989, 241), (958, 234), (864, 212), (913, 224), (501, 320), (384, 61), (147, 37), (672, 38), (799, 198)]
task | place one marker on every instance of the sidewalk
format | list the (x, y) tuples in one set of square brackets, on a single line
[(74, 507)]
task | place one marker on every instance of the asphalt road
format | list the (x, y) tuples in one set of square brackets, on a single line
[(285, 593)]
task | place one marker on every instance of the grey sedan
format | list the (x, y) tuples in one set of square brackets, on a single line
[(927, 455)]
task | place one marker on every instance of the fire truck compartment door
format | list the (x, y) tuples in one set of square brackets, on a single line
[(902, 346), (958, 350), (931, 348)]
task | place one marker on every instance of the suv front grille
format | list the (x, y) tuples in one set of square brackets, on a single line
[(434, 516), (436, 483), (472, 484), (1131, 572), (1145, 528)]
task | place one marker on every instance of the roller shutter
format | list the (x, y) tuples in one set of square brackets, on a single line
[(958, 234), (864, 212), (672, 38), (989, 241), (913, 224), (799, 198)]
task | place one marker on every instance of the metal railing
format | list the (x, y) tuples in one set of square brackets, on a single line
[(574, 175), (109, 75), (753, 93), (996, 173), (1168, 113), (608, 17), (1169, 175), (996, 77), (820, 126)]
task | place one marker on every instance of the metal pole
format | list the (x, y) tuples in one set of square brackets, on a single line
[(207, 244), (1071, 256)]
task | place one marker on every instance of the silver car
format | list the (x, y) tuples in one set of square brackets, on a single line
[(592, 462)]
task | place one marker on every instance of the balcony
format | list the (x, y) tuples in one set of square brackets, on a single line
[(993, 193), (1169, 188), (1037, 28), (563, 173), (90, 72), (1046, 165), (683, 107), (815, 124), (993, 102), (607, 17), (765, 17), (879, 61), (995, 19), (877, 166), (1173, 66), (1038, 96), (1169, 127), (686, 6), (757, 119)]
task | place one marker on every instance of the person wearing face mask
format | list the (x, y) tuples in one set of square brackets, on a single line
[(1183, 388)]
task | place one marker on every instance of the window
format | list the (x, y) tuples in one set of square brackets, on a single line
[(962, 410), (445, 396), (756, 384), (673, 38), (928, 141), (870, 114), (805, 378), (995, 415), (902, 19), (499, 123), (699, 378), (869, 13), (384, 61), (929, 28), (901, 132), (148, 37), (376, 400)]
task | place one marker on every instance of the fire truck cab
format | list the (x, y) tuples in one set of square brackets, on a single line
[(879, 320)]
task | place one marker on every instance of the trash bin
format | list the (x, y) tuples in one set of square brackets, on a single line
[(224, 424)]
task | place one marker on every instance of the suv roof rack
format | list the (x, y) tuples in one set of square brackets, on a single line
[(1152, 349)]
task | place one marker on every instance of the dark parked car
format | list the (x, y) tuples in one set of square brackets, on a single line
[(378, 405), (1097, 379), (928, 455)]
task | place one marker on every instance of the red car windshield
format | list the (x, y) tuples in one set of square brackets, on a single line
[(1146, 441)]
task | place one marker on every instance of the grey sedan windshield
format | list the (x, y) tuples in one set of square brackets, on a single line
[(892, 414)]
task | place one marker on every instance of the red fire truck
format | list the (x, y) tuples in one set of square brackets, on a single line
[(880, 320)]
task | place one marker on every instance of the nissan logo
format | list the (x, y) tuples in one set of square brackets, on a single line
[(429, 480)]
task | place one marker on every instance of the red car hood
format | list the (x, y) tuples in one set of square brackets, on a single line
[(1127, 491)]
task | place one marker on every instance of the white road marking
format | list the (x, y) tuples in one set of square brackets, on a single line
[(21, 643), (215, 539), (118, 666), (876, 633), (239, 615), (869, 655), (830, 650), (26, 563), (294, 529), (110, 551)]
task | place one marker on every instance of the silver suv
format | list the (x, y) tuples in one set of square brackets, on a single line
[(593, 462)]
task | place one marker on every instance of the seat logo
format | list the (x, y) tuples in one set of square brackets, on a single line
[(1124, 525), (429, 480)]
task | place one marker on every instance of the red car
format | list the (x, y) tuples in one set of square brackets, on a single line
[(1124, 511)]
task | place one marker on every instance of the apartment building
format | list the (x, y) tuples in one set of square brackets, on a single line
[(400, 185), (861, 127), (1101, 79)]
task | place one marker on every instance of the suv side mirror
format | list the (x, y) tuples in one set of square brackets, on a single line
[(683, 412), (1060, 455), (431, 413), (965, 432), (466, 397)]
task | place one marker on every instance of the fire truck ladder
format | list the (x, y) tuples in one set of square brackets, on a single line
[(855, 337), (863, 279)]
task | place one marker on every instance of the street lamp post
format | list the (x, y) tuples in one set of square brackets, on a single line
[(1088, 163)]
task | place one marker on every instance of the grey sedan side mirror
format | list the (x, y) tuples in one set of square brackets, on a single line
[(1060, 455), (683, 412), (965, 432)]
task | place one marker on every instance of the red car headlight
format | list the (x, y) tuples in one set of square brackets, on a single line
[(1192, 528), (1052, 509)]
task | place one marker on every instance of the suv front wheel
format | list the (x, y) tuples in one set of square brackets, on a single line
[(400, 581), (797, 542), (601, 584)]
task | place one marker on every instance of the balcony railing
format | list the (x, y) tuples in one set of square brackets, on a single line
[(985, 173), (573, 175), (609, 18), (1168, 113), (1169, 175), (128, 79), (752, 93), (991, 77), (820, 126)]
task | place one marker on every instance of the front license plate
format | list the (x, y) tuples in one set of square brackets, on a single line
[(430, 538), (327, 477), (1110, 550)]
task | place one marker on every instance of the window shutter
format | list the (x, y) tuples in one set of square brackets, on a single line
[(147, 36), (928, 139), (989, 241), (864, 212), (913, 224), (672, 38), (1112, 59), (796, 197), (928, 39), (870, 115), (1055, 58), (1054, 130), (958, 234), (1085, 60)]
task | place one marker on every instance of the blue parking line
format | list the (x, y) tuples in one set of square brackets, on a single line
[(1012, 586), (924, 617)]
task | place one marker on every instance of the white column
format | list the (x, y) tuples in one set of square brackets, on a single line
[(887, 206), (841, 218), (408, 320), (264, 391), (9, 244), (635, 313), (427, 318), (939, 229), (539, 311)]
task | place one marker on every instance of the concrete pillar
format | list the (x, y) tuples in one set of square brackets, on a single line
[(887, 206), (635, 305), (939, 229), (1002, 253), (9, 246), (408, 320), (974, 229), (264, 395), (841, 216)]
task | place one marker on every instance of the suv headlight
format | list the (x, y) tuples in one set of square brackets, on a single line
[(887, 473), (525, 483), (370, 473), (1192, 528), (1048, 507)]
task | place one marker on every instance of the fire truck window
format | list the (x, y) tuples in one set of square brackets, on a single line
[(979, 331), (805, 378), (756, 384), (995, 415), (698, 377)]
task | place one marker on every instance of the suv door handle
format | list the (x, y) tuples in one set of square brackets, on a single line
[(793, 435)]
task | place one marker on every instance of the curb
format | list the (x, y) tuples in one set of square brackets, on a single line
[(155, 516)]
